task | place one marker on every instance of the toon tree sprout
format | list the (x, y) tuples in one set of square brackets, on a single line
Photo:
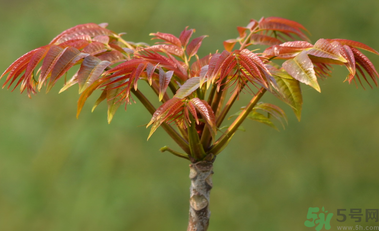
[(196, 93)]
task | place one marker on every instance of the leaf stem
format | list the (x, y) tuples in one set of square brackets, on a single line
[(178, 154), (224, 139), (227, 107), (197, 150), (170, 131)]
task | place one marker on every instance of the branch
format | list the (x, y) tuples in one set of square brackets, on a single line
[(224, 139), (170, 131)]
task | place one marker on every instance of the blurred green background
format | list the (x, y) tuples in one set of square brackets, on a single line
[(60, 173)]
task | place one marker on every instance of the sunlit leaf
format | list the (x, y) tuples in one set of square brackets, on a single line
[(188, 87), (326, 51), (229, 44), (301, 68), (290, 91)]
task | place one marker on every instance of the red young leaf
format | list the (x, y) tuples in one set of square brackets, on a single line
[(185, 36), (287, 22), (206, 113), (194, 45), (164, 112), (169, 38), (355, 44), (164, 81), (285, 26), (112, 56), (172, 49), (90, 70), (287, 50), (64, 63), (36, 58), (348, 54), (101, 39), (76, 43), (242, 31), (95, 48), (52, 56), (19, 65), (214, 66), (366, 64), (264, 40), (150, 68), (325, 50), (90, 29)]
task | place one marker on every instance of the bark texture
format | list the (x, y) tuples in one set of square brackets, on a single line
[(201, 184)]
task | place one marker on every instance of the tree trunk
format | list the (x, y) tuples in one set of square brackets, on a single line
[(201, 184)]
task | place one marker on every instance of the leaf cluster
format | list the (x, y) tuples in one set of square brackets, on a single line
[(196, 93)]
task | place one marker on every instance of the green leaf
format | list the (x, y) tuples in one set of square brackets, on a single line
[(272, 110), (302, 69), (290, 91), (256, 116)]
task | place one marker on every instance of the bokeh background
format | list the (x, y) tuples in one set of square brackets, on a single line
[(59, 173)]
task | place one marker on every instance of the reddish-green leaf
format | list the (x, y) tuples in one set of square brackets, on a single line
[(65, 62), (95, 48), (164, 81), (287, 22), (169, 38), (163, 112), (90, 29), (101, 39), (206, 113), (287, 50), (301, 68), (185, 36), (264, 40), (90, 70), (355, 44), (366, 64), (229, 44), (49, 62), (326, 51), (112, 56), (188, 87), (172, 49), (194, 45)]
